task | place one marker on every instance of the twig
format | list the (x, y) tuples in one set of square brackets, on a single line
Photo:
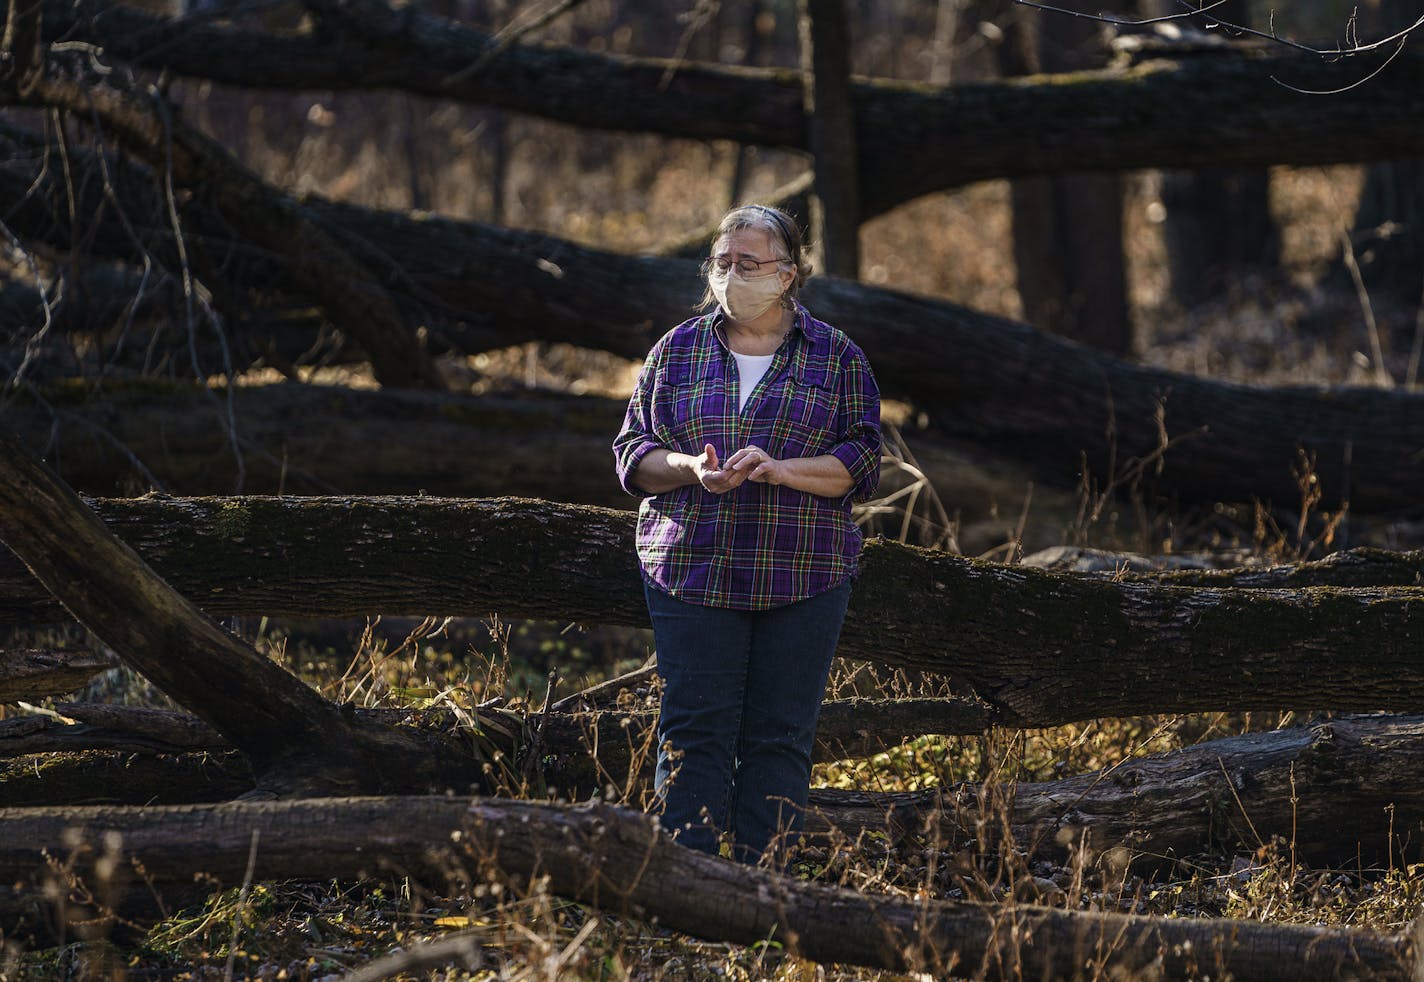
[(189, 294), (1350, 48), (1382, 376), (536, 740), (461, 949), (241, 904), (510, 36), (593, 696)]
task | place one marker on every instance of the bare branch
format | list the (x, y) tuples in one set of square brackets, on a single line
[(21, 48)]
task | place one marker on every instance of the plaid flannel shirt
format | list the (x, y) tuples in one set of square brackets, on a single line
[(759, 545)]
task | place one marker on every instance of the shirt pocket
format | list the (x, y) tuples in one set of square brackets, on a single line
[(806, 421), (689, 413)]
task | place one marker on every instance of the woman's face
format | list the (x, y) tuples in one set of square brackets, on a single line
[(755, 245)]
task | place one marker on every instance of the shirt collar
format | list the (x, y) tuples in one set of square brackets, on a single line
[(801, 323)]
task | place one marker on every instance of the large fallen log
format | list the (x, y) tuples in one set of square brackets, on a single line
[(1332, 792), (1337, 791), (305, 439), (619, 861), (989, 382), (1201, 110), (1041, 648)]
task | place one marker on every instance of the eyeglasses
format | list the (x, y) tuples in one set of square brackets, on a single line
[(722, 264)]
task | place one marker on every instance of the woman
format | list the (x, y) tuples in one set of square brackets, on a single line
[(751, 431)]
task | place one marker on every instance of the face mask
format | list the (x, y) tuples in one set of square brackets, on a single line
[(745, 300)]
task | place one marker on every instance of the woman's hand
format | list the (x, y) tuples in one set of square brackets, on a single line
[(824, 475), (757, 465), (715, 477)]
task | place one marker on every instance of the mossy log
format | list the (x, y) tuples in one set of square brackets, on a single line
[(1040, 648), (39, 673), (1223, 110), (618, 861), (298, 742), (1012, 392)]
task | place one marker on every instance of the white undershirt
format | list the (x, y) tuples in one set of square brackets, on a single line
[(750, 369)]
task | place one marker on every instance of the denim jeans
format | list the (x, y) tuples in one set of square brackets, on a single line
[(741, 694)]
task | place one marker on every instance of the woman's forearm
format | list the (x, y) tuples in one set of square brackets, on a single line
[(824, 475), (663, 470)]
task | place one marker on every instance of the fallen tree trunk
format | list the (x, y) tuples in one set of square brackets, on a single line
[(1014, 392), (38, 674), (1339, 791), (118, 777), (315, 439), (585, 748), (618, 861), (1225, 110), (1041, 648), (1332, 792)]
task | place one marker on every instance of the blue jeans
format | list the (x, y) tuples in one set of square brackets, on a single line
[(741, 694)]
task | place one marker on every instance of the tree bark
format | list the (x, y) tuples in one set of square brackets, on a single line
[(912, 139), (298, 742), (38, 674), (618, 861), (120, 777), (1041, 648), (830, 124), (1019, 393)]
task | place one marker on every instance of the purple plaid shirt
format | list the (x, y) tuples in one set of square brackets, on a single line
[(759, 545)]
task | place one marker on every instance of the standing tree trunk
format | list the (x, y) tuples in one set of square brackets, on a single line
[(1218, 227), (1067, 228), (830, 115)]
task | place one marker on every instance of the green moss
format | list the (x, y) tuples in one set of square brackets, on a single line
[(233, 520)]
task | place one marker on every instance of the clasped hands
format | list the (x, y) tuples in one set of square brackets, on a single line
[(751, 463)]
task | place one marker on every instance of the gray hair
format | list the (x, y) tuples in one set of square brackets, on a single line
[(787, 240)]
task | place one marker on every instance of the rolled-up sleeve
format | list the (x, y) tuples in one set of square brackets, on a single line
[(634, 440), (858, 421)]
